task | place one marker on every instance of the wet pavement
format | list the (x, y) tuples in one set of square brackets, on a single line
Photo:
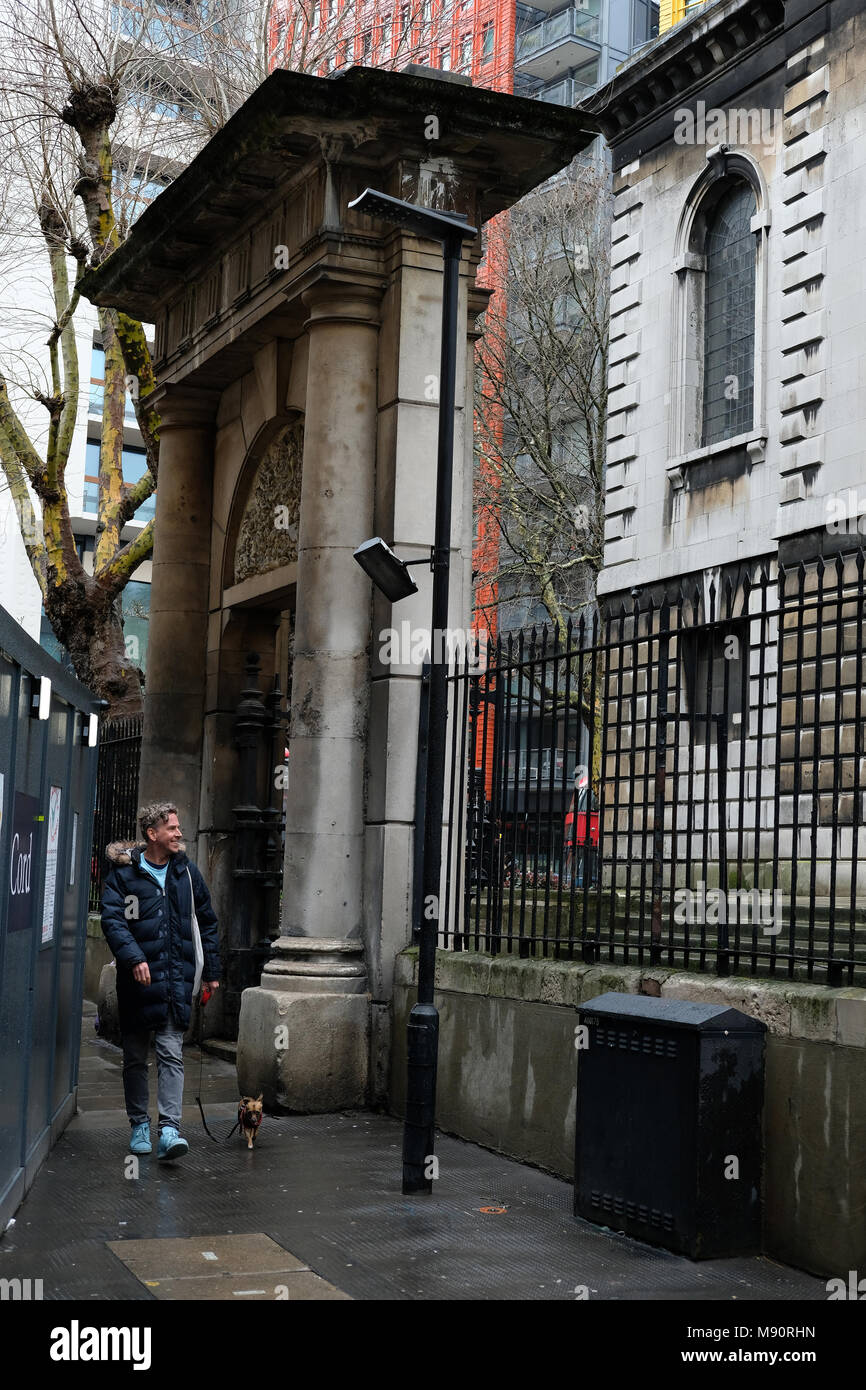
[(315, 1211)]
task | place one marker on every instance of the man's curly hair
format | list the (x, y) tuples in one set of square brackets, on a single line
[(153, 814)]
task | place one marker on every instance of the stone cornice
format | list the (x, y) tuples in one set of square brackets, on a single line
[(686, 59), (295, 126)]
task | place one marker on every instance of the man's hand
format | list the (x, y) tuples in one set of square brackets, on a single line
[(141, 972), (212, 985)]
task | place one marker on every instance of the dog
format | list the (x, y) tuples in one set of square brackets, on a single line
[(249, 1118)]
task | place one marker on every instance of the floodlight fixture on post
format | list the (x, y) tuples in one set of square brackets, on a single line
[(451, 229), (388, 572)]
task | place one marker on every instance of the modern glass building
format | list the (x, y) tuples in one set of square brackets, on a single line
[(562, 52)]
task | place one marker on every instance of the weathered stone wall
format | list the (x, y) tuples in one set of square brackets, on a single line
[(671, 508), (507, 1080)]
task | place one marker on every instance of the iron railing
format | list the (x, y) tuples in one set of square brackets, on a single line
[(116, 794), (677, 783)]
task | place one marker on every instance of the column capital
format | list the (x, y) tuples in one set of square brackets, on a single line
[(182, 406), (333, 299)]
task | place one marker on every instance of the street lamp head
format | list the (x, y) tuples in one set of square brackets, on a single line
[(438, 226), (388, 573)]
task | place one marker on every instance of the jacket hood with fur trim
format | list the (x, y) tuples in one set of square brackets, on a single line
[(120, 851)]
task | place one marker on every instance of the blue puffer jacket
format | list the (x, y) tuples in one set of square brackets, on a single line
[(141, 923)]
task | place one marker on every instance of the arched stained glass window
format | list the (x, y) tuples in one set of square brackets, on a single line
[(729, 317)]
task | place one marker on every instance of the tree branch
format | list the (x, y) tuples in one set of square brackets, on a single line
[(27, 522), (112, 576)]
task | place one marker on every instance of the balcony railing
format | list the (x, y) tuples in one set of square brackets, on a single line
[(566, 92), (581, 23)]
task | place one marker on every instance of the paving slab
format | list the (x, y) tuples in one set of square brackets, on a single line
[(293, 1287), (221, 1267), (204, 1255)]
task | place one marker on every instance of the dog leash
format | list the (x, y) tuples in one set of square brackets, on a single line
[(205, 996)]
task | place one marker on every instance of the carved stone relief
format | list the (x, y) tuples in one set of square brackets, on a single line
[(268, 533)]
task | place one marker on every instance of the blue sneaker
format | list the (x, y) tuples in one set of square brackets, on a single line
[(140, 1141), (170, 1144)]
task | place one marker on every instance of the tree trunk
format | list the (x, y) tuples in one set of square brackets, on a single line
[(89, 625)]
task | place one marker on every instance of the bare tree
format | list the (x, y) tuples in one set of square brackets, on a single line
[(542, 396), (100, 106), (540, 418), (80, 129)]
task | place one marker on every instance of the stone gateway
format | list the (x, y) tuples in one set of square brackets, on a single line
[(294, 345)]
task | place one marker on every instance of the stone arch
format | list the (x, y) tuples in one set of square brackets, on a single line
[(262, 531), (724, 166)]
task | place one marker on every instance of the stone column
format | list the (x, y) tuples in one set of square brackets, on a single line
[(406, 502), (177, 646), (303, 1036)]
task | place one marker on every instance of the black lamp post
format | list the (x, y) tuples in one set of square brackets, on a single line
[(451, 229)]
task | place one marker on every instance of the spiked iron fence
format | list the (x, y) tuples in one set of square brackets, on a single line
[(679, 782)]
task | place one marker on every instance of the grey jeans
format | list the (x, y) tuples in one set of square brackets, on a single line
[(169, 1074)]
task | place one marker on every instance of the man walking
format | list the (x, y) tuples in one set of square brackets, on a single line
[(150, 893)]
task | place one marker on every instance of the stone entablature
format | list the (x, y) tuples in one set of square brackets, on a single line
[(265, 203)]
